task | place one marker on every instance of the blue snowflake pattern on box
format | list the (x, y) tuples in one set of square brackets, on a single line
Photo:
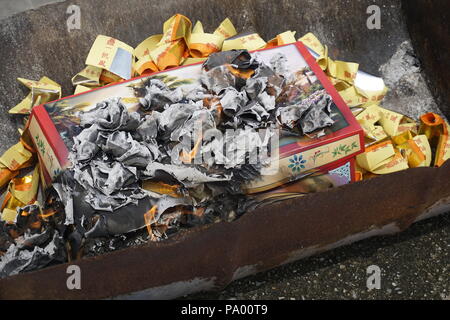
[(297, 163)]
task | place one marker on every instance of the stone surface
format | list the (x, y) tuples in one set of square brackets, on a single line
[(409, 93)]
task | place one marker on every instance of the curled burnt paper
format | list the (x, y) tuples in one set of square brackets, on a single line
[(174, 163)]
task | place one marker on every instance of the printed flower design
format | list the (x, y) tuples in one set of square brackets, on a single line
[(297, 163)]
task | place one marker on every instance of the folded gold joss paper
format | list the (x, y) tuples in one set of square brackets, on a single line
[(201, 45), (16, 157), (250, 42), (176, 28), (112, 55), (41, 91), (169, 55), (343, 75), (80, 89), (390, 135), (225, 29), (437, 131), (88, 77), (281, 39), (21, 191)]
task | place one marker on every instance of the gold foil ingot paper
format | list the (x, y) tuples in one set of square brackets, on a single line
[(201, 45), (89, 77), (143, 49), (412, 153), (376, 156), (145, 64), (422, 142), (437, 131), (250, 42), (112, 55), (108, 77), (21, 191), (412, 127), (225, 29), (343, 75), (6, 175), (311, 41), (25, 188), (192, 61), (176, 28), (169, 55), (41, 91), (390, 121), (281, 39), (402, 137), (443, 147), (391, 165), (80, 89), (198, 27), (432, 126), (15, 157)]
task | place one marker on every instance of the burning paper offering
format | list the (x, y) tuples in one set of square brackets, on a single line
[(186, 151), (143, 158)]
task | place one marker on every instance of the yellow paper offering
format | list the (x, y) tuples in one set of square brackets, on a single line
[(149, 44), (112, 55), (15, 157), (422, 142), (393, 164), (198, 27), (367, 119), (343, 76), (443, 147), (249, 42), (176, 28), (311, 41), (88, 77), (21, 191), (201, 45), (225, 29), (192, 60), (375, 156), (169, 55), (281, 39), (41, 91), (412, 127), (145, 66), (80, 89), (390, 121)]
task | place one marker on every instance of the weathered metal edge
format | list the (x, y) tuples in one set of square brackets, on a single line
[(209, 258)]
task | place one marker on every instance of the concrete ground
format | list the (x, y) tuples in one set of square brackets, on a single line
[(414, 264), (10, 7)]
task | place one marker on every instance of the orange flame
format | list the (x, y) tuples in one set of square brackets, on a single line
[(148, 218), (48, 213), (187, 157), (162, 188)]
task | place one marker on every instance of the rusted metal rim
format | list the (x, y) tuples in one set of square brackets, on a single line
[(208, 258)]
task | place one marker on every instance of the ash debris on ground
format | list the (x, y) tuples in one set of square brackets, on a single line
[(409, 93)]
